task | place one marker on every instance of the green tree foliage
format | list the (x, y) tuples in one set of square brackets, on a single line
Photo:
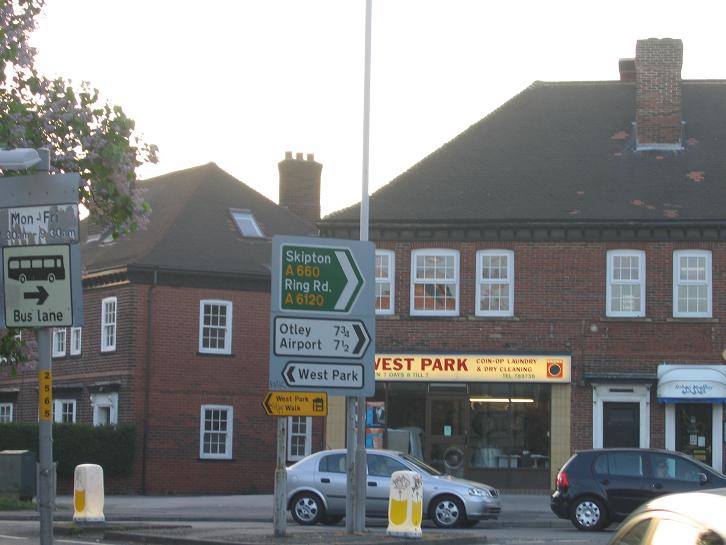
[(84, 133)]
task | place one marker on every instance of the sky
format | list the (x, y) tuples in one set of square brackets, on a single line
[(240, 82)]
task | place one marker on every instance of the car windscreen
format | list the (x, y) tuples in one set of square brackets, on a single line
[(420, 465)]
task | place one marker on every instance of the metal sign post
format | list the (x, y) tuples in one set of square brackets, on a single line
[(41, 287), (360, 440), (322, 333), (279, 515), (46, 501)]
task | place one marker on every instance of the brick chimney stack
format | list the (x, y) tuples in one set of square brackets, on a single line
[(627, 69), (658, 113), (300, 185)]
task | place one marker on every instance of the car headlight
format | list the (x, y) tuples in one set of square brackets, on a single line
[(478, 492)]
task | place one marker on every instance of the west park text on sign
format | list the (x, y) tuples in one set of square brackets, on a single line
[(296, 404), (473, 367)]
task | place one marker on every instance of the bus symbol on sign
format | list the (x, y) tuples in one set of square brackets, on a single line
[(36, 268)]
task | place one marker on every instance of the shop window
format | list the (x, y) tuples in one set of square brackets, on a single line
[(76, 340), (692, 284), (510, 425), (625, 290), (385, 276), (299, 432), (59, 342), (105, 408), (108, 324), (6, 413), (495, 283), (215, 432), (215, 327), (64, 411), (435, 282)]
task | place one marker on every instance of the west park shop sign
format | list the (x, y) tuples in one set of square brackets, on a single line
[(473, 368)]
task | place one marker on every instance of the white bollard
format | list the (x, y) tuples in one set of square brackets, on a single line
[(405, 505), (88, 494)]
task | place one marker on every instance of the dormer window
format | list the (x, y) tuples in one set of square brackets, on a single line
[(246, 223)]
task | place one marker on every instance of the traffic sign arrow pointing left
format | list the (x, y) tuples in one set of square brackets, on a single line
[(41, 295), (290, 374)]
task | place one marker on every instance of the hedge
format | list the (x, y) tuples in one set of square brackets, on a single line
[(111, 447)]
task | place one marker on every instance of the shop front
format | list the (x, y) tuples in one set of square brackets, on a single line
[(694, 396), (486, 417)]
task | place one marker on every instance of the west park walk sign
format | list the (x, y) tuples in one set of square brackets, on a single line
[(323, 319), (41, 258)]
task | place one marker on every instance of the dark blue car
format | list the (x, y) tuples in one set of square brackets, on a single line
[(599, 486)]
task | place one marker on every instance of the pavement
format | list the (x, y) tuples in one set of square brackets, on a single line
[(243, 520)]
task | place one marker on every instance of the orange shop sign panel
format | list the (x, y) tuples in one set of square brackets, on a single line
[(473, 368)]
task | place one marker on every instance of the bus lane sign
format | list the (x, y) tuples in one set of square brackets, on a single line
[(37, 286)]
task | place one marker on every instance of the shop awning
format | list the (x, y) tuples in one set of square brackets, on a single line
[(692, 383)]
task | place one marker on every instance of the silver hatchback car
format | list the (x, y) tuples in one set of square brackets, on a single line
[(316, 490)]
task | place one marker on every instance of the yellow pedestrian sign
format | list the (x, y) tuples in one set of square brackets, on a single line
[(296, 404)]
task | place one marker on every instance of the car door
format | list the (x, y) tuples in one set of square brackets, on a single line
[(623, 478), (670, 474), (331, 481), (378, 482)]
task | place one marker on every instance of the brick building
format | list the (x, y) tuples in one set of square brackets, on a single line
[(175, 339), (552, 279)]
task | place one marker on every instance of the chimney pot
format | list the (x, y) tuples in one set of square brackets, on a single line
[(299, 156), (288, 155), (627, 69), (311, 157)]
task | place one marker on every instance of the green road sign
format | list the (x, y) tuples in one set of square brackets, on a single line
[(318, 278)]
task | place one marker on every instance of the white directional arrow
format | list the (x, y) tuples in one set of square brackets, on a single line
[(353, 281), (320, 337), (323, 375)]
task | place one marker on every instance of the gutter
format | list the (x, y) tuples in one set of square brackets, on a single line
[(147, 377)]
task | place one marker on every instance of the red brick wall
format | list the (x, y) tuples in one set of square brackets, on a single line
[(559, 307), (181, 380)]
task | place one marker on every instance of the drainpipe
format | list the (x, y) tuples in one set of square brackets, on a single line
[(147, 376)]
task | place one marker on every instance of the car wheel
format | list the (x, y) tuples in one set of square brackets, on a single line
[(307, 509), (447, 512), (588, 514), (332, 519)]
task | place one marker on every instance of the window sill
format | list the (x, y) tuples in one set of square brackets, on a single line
[(495, 318), (627, 319), (214, 355), (694, 320), (388, 317), (223, 460), (644, 319), (453, 317)]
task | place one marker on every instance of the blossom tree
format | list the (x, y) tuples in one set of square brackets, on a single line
[(84, 133)]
